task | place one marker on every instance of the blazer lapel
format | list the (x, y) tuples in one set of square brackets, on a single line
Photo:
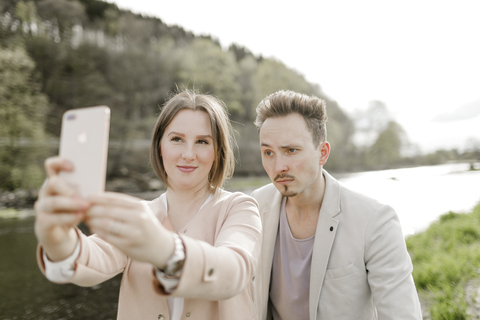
[(270, 213), (271, 219), (324, 238)]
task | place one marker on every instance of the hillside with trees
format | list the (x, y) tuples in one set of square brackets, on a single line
[(57, 55)]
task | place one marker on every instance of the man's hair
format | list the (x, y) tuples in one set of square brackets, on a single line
[(282, 103), (222, 134)]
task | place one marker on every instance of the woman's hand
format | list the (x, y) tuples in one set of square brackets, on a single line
[(131, 226), (58, 210)]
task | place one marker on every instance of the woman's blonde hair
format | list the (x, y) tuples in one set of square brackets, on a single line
[(222, 134)]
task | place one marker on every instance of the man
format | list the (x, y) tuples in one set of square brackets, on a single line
[(327, 252)]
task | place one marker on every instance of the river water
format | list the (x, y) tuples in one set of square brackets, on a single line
[(419, 195)]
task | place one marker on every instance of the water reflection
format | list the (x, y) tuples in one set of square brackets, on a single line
[(26, 294)]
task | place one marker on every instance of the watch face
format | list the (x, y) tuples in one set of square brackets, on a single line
[(174, 267), (175, 264), (178, 265)]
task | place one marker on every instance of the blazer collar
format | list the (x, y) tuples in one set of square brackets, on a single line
[(272, 205), (331, 198), (324, 238), (270, 214)]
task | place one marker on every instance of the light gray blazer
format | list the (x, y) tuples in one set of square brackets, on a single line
[(360, 265)]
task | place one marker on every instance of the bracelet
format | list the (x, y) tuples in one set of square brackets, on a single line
[(176, 261)]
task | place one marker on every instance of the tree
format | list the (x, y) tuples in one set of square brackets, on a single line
[(65, 13), (206, 67), (272, 75), (22, 117), (387, 149), (370, 122), (247, 70), (472, 150)]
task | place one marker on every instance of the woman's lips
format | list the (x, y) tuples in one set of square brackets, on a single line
[(186, 169)]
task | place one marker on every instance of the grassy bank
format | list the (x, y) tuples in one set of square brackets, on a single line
[(446, 259)]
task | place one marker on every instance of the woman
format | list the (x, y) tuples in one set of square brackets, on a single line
[(204, 272)]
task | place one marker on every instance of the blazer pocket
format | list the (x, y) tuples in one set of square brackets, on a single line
[(342, 272)]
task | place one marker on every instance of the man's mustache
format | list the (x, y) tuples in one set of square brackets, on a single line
[(283, 176)]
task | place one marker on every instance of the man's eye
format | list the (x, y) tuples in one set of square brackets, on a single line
[(292, 150), (268, 153)]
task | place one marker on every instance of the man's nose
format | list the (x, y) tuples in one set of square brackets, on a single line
[(280, 164)]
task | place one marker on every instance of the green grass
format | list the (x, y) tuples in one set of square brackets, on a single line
[(445, 257), (8, 213), (243, 183)]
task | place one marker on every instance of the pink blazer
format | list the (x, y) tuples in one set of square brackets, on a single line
[(222, 244)]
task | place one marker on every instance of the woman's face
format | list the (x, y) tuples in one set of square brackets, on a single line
[(187, 150)]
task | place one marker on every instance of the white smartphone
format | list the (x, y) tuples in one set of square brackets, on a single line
[(84, 141)]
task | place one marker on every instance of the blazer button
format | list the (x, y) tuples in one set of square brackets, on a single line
[(210, 272), (188, 314), (161, 317), (331, 228)]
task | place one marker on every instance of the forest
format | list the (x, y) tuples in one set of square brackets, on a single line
[(57, 55)]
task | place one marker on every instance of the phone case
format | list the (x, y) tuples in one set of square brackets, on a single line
[(84, 141)]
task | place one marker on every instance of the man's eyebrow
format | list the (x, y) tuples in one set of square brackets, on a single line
[(288, 146)]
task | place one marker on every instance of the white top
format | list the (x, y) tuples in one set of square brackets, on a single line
[(175, 304), (292, 259)]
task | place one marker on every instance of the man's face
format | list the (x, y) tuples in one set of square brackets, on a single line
[(289, 156)]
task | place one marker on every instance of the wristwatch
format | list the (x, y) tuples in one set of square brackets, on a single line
[(176, 261)]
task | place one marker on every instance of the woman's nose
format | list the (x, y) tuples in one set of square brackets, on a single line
[(188, 153)]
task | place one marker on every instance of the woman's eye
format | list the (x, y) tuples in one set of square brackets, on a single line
[(202, 141), (176, 139)]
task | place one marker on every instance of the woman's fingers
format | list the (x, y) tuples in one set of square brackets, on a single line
[(63, 219), (119, 219), (114, 223), (129, 215), (115, 231), (61, 204), (56, 186), (120, 240), (115, 199), (109, 227), (118, 206), (54, 165), (58, 211)]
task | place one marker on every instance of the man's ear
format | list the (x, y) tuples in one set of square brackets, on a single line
[(324, 151)]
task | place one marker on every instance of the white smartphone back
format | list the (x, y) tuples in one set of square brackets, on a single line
[(84, 141)]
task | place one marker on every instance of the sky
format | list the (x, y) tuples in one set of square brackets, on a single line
[(421, 58)]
